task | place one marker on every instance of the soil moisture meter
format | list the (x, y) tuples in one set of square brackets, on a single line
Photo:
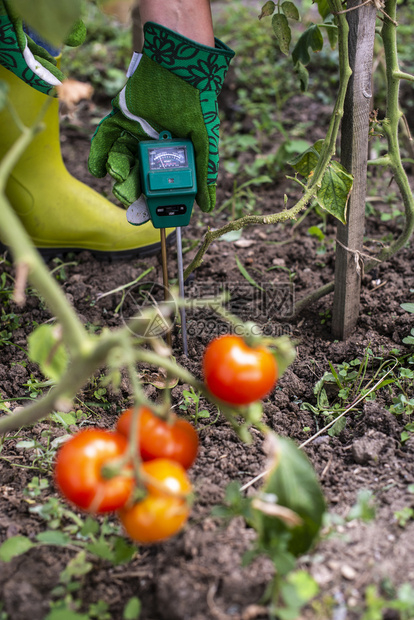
[(169, 184), (168, 179)]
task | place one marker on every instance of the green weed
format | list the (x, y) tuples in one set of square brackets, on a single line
[(191, 405), (409, 307), (40, 452), (9, 323), (404, 515), (402, 601), (35, 487), (347, 382)]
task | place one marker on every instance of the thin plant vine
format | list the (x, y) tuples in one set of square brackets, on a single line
[(326, 155), (393, 159)]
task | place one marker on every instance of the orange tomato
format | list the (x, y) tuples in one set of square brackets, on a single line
[(161, 514)]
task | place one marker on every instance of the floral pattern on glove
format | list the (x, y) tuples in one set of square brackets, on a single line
[(12, 58), (201, 66)]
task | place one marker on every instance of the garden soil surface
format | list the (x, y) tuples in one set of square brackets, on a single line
[(199, 575)]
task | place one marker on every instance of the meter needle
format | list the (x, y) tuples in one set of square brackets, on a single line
[(181, 289)]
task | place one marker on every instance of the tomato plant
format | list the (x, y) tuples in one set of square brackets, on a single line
[(78, 471), (238, 373), (165, 509), (176, 439)]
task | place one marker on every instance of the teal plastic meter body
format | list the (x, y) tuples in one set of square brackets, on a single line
[(168, 179)]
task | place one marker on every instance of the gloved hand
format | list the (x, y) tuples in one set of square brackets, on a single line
[(28, 60), (173, 85)]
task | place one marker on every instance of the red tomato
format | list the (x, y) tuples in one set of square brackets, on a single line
[(78, 471), (237, 373), (161, 514), (177, 441)]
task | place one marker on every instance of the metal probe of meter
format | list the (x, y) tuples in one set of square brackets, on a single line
[(169, 184)]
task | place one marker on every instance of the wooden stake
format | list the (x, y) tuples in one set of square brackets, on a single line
[(354, 153)]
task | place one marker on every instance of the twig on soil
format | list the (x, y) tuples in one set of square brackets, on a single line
[(326, 468), (215, 610)]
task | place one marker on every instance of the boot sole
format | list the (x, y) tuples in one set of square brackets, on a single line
[(143, 252)]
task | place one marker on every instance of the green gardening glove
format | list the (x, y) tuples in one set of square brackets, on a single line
[(172, 86), (30, 61)]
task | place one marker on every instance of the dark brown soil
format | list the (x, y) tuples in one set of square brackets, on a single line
[(199, 575)]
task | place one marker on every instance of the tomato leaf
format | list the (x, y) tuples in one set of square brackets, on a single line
[(282, 31), (332, 32), (14, 546), (77, 567), (335, 189), (132, 609), (46, 349), (303, 75), (323, 8), (284, 354), (305, 163), (315, 231), (408, 307), (66, 419), (311, 38), (53, 537), (123, 551), (290, 10), (267, 9), (90, 526), (67, 614), (337, 428), (296, 590), (52, 20), (292, 483), (102, 549), (254, 412)]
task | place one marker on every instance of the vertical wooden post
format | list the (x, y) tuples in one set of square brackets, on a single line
[(354, 153)]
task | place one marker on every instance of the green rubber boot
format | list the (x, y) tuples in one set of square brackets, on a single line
[(60, 213)]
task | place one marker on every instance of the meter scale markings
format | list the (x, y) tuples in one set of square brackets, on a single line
[(173, 157)]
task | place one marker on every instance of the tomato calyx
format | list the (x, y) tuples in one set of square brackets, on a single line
[(139, 493), (252, 335), (165, 509), (116, 467)]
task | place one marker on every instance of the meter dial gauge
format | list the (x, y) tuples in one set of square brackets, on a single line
[(165, 158)]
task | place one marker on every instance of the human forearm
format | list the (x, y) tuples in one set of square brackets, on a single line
[(191, 18)]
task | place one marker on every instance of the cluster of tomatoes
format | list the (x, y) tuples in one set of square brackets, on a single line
[(94, 468), (93, 471)]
